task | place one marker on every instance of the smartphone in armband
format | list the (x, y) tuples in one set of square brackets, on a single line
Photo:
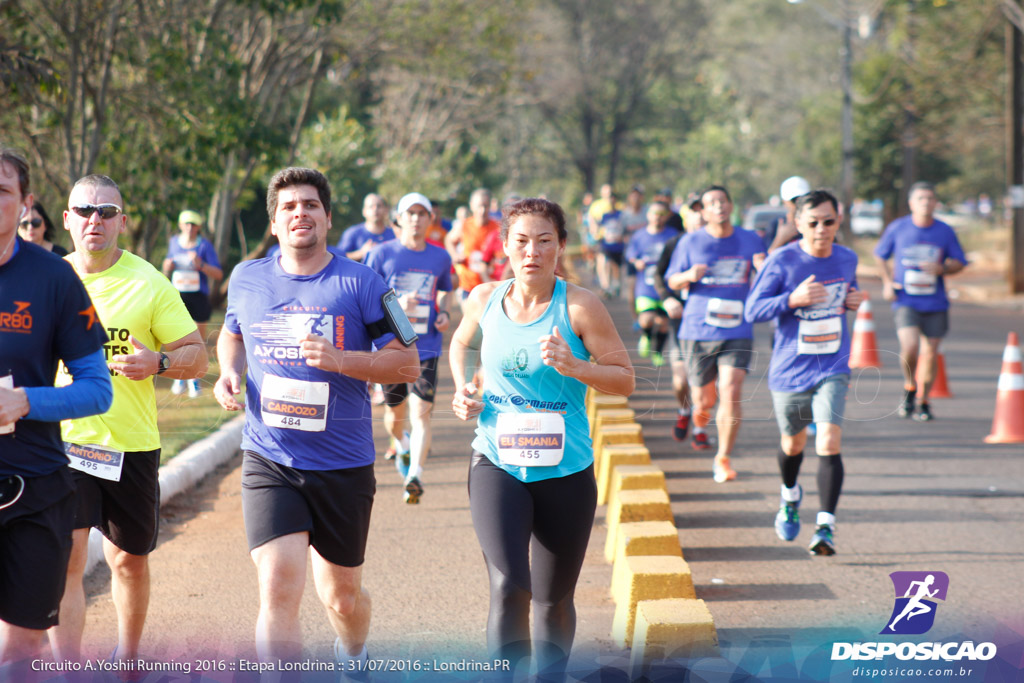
[(398, 321)]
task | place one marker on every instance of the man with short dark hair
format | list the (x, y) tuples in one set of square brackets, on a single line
[(715, 264), (46, 317), (808, 286), (357, 240), (116, 455), (312, 328), (924, 250)]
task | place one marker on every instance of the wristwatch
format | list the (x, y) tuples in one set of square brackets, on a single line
[(165, 363)]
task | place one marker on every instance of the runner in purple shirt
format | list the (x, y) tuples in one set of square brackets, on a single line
[(924, 250), (716, 265), (808, 286), (420, 274)]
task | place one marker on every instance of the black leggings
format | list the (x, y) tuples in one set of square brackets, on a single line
[(550, 520)]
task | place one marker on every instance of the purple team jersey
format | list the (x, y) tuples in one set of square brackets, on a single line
[(420, 275), (356, 236), (647, 247), (812, 342), (714, 306), (912, 246), (297, 415)]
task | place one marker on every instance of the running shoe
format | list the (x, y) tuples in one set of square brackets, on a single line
[(722, 471), (906, 408), (657, 360), (812, 429), (700, 441), (402, 461), (643, 347), (682, 426), (392, 450), (193, 389), (924, 412), (377, 395), (787, 521), (178, 387), (821, 542), (352, 668), (413, 491)]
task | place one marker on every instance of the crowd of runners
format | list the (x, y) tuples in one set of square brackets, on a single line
[(311, 329)]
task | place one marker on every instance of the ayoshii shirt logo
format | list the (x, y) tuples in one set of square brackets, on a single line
[(917, 597)]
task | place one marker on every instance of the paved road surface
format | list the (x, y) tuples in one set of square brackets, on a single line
[(917, 497)]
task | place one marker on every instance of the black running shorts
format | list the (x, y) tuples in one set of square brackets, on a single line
[(333, 506), (424, 387), (127, 512), (35, 544)]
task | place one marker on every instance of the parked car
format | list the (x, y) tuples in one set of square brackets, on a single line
[(760, 216), (866, 219)]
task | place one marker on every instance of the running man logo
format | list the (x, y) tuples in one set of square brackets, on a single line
[(914, 610)]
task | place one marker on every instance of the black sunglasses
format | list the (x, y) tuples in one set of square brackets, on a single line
[(828, 223), (106, 210), (34, 222)]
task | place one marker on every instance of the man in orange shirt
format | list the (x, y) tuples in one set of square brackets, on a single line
[(465, 241)]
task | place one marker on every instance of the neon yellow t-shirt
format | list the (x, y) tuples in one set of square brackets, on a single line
[(132, 298)]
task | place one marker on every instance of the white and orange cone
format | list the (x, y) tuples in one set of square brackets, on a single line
[(1008, 423), (940, 387), (864, 345)]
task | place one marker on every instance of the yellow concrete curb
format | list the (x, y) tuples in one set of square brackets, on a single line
[(672, 628), (626, 432), (605, 417), (647, 577), (632, 477), (641, 505), (659, 537), (601, 401), (618, 455)]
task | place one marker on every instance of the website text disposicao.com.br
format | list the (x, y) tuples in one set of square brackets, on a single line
[(911, 672)]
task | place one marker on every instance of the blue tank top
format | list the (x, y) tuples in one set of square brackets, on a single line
[(516, 381)]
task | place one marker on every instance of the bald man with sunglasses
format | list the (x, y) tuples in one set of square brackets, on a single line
[(116, 456)]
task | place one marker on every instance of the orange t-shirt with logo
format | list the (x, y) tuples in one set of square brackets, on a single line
[(473, 238)]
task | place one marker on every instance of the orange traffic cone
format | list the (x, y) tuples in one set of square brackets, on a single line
[(864, 345), (940, 388), (1008, 423)]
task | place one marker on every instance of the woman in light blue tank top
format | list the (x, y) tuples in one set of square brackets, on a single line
[(531, 482)]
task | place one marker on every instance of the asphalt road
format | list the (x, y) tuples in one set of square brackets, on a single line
[(929, 497)]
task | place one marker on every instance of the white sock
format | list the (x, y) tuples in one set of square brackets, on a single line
[(697, 430), (826, 519), (415, 471), (684, 411), (343, 657), (790, 495)]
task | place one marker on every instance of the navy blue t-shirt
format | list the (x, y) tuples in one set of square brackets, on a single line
[(45, 316)]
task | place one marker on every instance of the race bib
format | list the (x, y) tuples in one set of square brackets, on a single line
[(7, 382), (294, 404), (98, 461), (185, 280), (649, 273), (817, 337), (530, 439), (919, 283), (724, 313)]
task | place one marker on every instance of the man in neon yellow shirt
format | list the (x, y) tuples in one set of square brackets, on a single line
[(115, 456)]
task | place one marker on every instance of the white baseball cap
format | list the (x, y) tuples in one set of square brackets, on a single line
[(412, 199), (793, 187)]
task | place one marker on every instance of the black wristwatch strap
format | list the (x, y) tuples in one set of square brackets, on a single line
[(165, 363)]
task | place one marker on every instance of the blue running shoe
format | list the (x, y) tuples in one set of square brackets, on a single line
[(812, 429), (787, 521), (821, 542), (402, 461)]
